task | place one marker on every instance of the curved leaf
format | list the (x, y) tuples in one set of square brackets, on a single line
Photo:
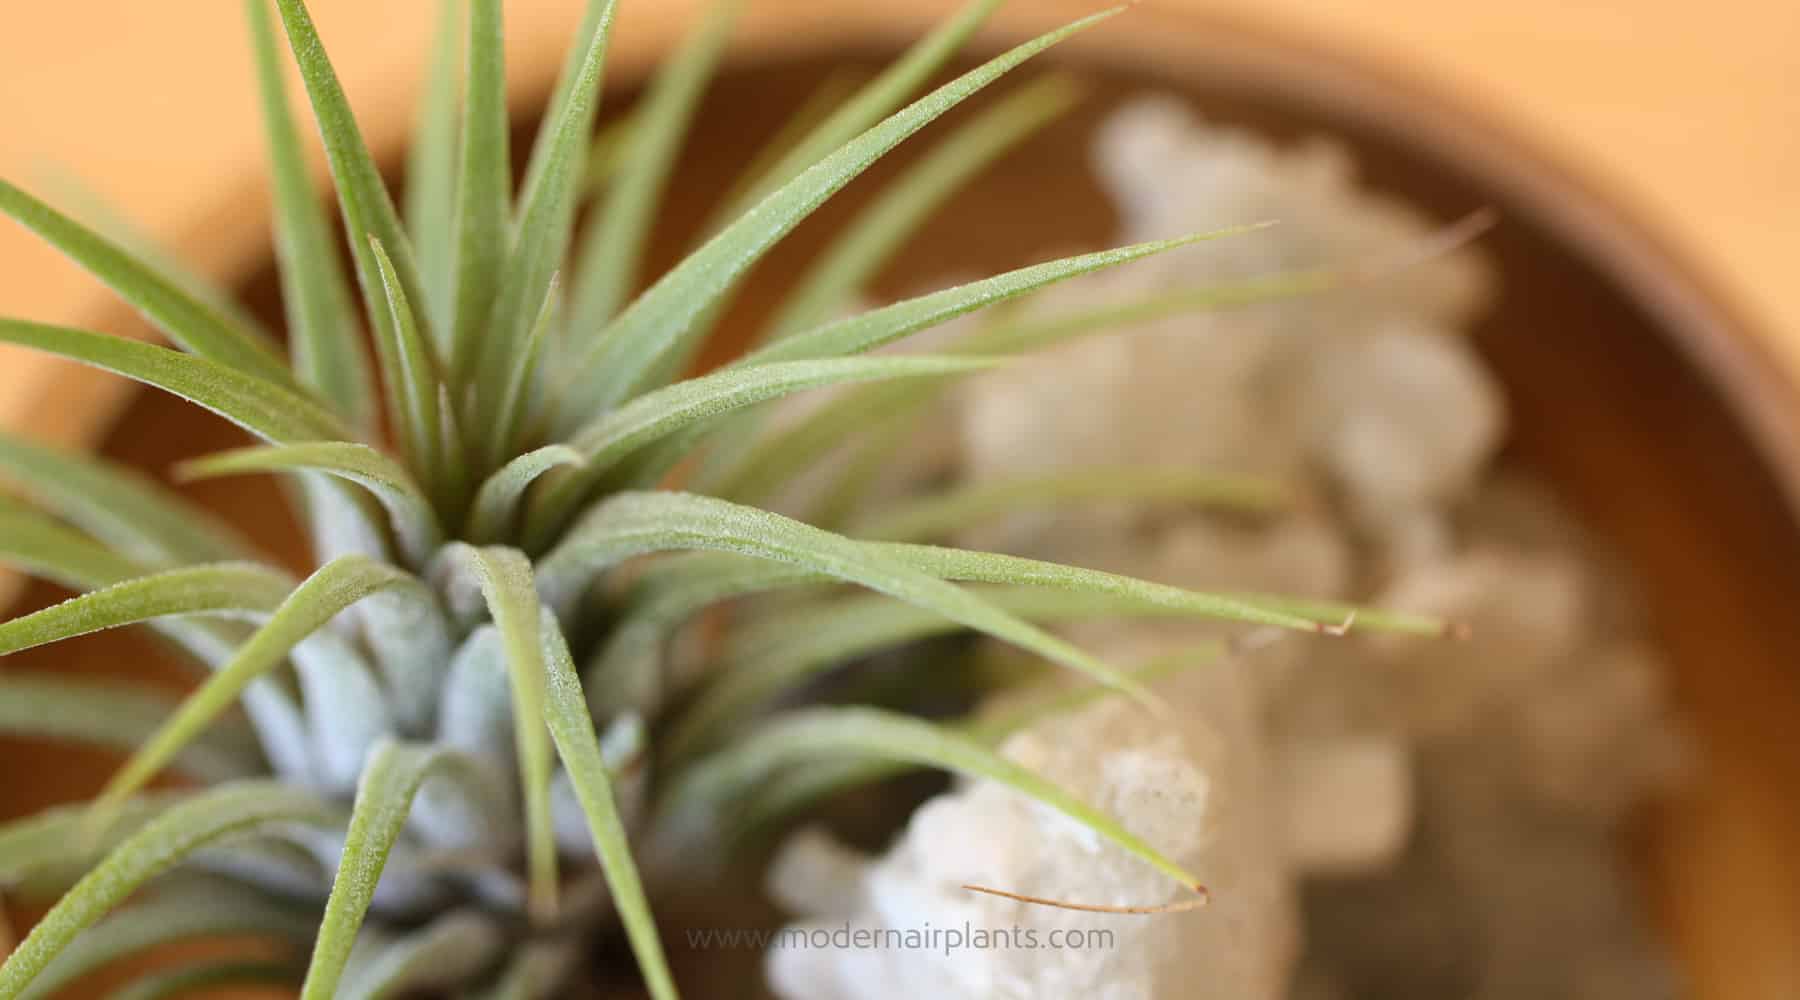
[(415, 522), (332, 588), (721, 781), (663, 323), (571, 726), (390, 780), (162, 843), (263, 408), (630, 524), (512, 600), (42, 547), (119, 506), (321, 318), (187, 321), (221, 587), (944, 513), (497, 502)]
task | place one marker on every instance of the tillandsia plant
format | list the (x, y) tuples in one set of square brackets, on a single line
[(461, 751)]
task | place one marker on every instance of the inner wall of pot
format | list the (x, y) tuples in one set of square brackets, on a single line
[(1604, 406)]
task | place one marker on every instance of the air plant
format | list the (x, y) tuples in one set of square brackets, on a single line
[(460, 750)]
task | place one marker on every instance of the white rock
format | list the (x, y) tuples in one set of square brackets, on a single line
[(1524, 614), (1597, 738), (1173, 788), (1403, 419), (1349, 805), (1172, 173)]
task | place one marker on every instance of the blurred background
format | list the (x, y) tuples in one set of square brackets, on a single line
[(1687, 114)]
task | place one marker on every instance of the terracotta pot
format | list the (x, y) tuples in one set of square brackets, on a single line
[(1634, 391)]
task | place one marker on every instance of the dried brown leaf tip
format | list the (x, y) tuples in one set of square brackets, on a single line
[(1200, 898)]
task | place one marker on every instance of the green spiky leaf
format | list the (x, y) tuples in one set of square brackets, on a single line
[(367, 209), (414, 517), (321, 319), (334, 587), (484, 180), (384, 797), (938, 515), (119, 506), (547, 210), (612, 251), (630, 524), (158, 846), (882, 229), (784, 650), (186, 320), (497, 502), (193, 590), (671, 409), (661, 325), (506, 585), (822, 733), (431, 171), (573, 729), (261, 407), (882, 326), (875, 101), (409, 372)]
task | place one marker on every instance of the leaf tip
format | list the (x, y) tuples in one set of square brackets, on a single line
[(1200, 898), (1339, 630)]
